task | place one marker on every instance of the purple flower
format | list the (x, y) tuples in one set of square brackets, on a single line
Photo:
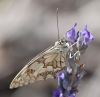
[(69, 70), (71, 34), (58, 93), (61, 75), (73, 94), (88, 37), (78, 75)]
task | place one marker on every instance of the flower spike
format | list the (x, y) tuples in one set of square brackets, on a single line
[(69, 79)]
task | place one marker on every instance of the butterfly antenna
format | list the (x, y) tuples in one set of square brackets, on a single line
[(57, 24)]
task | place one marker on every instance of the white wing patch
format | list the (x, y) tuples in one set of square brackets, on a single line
[(45, 66)]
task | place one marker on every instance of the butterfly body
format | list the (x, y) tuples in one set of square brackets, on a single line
[(61, 46)]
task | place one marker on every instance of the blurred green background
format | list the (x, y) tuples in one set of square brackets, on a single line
[(29, 26)]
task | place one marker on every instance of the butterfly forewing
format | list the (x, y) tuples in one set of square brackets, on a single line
[(45, 65)]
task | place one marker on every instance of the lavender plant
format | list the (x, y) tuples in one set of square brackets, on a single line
[(70, 77)]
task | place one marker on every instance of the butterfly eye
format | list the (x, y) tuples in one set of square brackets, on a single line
[(62, 42)]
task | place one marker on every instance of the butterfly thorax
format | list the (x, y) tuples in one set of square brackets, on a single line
[(61, 46)]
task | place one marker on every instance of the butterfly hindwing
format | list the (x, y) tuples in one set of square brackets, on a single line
[(45, 65)]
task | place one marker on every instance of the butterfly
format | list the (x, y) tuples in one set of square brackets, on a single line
[(45, 65)]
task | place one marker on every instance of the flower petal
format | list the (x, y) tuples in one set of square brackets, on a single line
[(57, 92), (75, 24), (71, 34), (88, 37), (73, 94), (91, 38), (61, 75)]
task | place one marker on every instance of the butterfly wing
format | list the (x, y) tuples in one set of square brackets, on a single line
[(45, 65)]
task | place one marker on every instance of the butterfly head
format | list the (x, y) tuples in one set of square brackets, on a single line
[(62, 43)]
